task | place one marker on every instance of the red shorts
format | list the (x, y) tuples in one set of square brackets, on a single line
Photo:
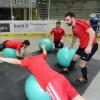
[(61, 89)]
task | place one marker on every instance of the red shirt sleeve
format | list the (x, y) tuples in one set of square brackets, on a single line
[(24, 62), (43, 56), (84, 24)]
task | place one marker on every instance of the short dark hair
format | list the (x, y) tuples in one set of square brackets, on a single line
[(26, 42), (58, 22), (71, 14)]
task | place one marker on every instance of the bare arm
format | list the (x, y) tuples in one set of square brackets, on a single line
[(49, 35), (11, 60), (91, 33), (63, 38), (18, 53), (44, 50), (78, 97)]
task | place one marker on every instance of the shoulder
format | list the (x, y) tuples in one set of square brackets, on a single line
[(81, 21)]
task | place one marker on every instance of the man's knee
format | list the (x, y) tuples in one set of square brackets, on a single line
[(82, 63), (76, 57)]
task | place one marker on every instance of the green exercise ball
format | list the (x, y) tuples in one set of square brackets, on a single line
[(9, 53), (47, 42), (65, 55), (33, 90)]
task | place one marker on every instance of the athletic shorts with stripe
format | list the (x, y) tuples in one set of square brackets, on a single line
[(61, 89), (83, 55)]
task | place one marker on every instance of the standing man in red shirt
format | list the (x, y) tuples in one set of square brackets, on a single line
[(88, 44), (50, 81), (18, 45), (58, 34)]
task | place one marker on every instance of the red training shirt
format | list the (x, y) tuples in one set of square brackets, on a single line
[(43, 73), (14, 44), (58, 33), (79, 30), (40, 69)]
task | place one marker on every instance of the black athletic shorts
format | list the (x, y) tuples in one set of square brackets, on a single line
[(83, 55), (58, 44)]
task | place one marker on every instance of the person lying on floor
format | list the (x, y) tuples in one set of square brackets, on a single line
[(18, 45), (57, 86)]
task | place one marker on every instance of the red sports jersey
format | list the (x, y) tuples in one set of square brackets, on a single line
[(61, 89), (14, 44), (79, 30), (40, 69), (58, 33), (45, 75)]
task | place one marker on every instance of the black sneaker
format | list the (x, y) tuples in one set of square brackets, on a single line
[(62, 71), (81, 80)]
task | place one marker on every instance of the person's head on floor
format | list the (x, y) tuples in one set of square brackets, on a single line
[(26, 43), (69, 18)]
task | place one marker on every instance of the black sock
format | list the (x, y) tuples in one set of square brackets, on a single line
[(84, 72), (72, 64), (61, 45)]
